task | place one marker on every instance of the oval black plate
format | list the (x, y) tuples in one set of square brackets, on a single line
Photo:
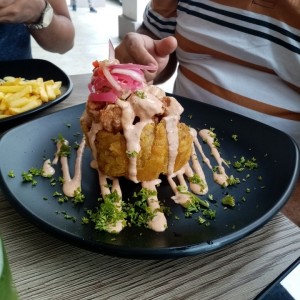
[(260, 195), (32, 69)]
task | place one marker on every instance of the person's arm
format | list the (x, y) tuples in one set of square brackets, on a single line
[(143, 47), (57, 37)]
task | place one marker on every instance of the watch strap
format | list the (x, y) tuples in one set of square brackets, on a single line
[(45, 19)]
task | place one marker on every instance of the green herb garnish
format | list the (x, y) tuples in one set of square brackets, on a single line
[(140, 94), (197, 180), (234, 137), (139, 213), (131, 154), (244, 163), (194, 203), (11, 174), (228, 200), (109, 213), (78, 196)]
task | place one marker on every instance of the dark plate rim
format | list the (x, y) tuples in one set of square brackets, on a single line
[(157, 253)]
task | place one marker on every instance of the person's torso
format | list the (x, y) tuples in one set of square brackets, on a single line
[(239, 55), (14, 42)]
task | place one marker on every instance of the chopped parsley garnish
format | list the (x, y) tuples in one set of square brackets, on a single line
[(68, 217), (78, 196), (212, 134), (109, 213), (139, 213), (85, 220), (131, 154), (30, 175), (234, 137), (231, 180), (52, 181), (76, 145), (11, 174), (62, 199), (244, 163), (140, 94), (65, 150), (197, 180), (194, 203), (57, 194), (216, 143), (61, 180), (209, 213), (228, 200), (201, 220), (215, 169), (35, 171)]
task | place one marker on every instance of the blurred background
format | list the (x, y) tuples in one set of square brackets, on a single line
[(93, 31)]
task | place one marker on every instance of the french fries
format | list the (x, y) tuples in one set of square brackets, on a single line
[(18, 95)]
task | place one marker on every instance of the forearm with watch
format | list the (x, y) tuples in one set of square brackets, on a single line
[(45, 18), (53, 32)]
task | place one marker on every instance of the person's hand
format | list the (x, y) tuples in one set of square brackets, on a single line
[(21, 11), (141, 49)]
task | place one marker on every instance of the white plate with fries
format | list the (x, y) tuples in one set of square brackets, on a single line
[(29, 86)]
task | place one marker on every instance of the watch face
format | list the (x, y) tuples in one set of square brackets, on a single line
[(47, 16), (45, 20)]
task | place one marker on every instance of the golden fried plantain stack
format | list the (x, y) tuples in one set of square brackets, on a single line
[(110, 143)]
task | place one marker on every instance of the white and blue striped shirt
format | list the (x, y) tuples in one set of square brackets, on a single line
[(243, 56)]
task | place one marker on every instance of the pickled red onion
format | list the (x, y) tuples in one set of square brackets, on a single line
[(134, 66), (110, 97), (111, 79), (131, 73)]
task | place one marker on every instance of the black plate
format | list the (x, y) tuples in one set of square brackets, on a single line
[(32, 69), (276, 154)]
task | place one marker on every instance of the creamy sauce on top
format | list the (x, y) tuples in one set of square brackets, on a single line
[(136, 107), (173, 141)]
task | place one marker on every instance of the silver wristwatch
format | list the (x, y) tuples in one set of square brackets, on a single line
[(45, 19)]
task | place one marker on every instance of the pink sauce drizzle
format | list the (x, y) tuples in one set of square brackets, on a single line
[(105, 190), (220, 177), (70, 185), (159, 222)]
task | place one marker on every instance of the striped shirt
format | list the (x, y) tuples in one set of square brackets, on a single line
[(243, 56)]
